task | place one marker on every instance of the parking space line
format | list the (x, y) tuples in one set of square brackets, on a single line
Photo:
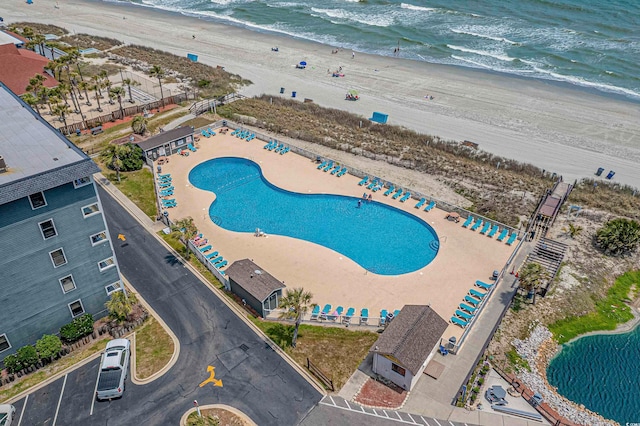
[(347, 402), (95, 391), (411, 417), (437, 422), (55, 417), (23, 407)]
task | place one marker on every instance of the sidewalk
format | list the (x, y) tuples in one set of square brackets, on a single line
[(178, 121)]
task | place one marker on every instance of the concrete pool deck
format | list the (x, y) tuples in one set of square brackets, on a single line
[(464, 256)]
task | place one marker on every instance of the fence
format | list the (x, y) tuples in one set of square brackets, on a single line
[(320, 375), (209, 105), (527, 394)]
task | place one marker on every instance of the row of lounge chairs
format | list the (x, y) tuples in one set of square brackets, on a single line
[(428, 207), (277, 147), (376, 184), (384, 314), (207, 133), (243, 134), (327, 165), (212, 256), (329, 314), (469, 307), (165, 190), (489, 230)]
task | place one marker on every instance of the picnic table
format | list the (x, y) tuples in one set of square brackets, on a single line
[(453, 216), (163, 160)]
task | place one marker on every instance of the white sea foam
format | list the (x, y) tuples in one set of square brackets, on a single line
[(482, 53), (417, 8), (585, 83), (366, 19), (487, 36)]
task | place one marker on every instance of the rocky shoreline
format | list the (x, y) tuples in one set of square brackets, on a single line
[(538, 349)]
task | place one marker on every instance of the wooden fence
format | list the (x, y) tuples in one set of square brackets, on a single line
[(320, 375)]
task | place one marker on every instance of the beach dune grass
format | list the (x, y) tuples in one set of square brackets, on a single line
[(336, 351), (609, 312)]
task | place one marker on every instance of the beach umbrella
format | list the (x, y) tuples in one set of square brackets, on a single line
[(303, 63), (353, 92)]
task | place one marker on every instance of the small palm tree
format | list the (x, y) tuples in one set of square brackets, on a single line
[(572, 230), (85, 86), (531, 277), (96, 86), (129, 82), (113, 155), (120, 305), (296, 304), (158, 72), (61, 110), (32, 101), (618, 236), (139, 124), (118, 92), (184, 229)]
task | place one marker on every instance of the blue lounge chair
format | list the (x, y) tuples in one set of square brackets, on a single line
[(363, 181), (191, 147), (285, 150), (221, 264), (212, 255), (503, 234), (204, 133), (235, 132), (325, 311), (211, 132), (315, 313), (472, 301), (337, 313), (336, 169), (480, 295), (421, 202), (347, 317), (478, 223), (458, 321), (512, 238), (165, 185), (483, 285), (397, 194), (364, 316), (485, 228), (343, 172), (470, 309), (323, 164), (219, 261), (373, 183), (167, 193), (430, 206), (166, 175), (389, 191), (493, 231), (205, 248), (405, 197), (216, 260), (383, 316), (396, 312), (164, 178), (463, 315), (328, 167), (171, 201), (279, 147), (467, 222), (378, 186), (268, 145)]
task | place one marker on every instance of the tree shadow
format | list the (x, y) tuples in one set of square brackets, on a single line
[(281, 334), (172, 260)]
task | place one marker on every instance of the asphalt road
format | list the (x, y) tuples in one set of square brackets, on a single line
[(255, 379)]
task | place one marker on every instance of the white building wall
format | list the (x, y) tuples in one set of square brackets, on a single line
[(382, 366)]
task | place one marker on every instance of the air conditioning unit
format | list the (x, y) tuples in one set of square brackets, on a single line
[(3, 165)]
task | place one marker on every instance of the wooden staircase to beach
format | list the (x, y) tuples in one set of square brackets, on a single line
[(549, 254)]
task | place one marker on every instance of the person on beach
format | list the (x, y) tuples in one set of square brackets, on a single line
[(353, 55), (193, 36)]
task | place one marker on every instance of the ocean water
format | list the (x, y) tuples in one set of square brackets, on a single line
[(601, 372), (589, 43)]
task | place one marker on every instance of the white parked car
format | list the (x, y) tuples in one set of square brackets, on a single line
[(7, 414), (114, 369)]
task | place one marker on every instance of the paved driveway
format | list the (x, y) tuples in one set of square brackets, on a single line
[(255, 379)]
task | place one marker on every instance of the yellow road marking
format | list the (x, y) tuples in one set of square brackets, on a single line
[(121, 237), (212, 377)]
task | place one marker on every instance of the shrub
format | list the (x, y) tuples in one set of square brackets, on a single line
[(133, 160), (27, 356), (77, 328), (618, 236), (120, 306), (48, 346), (480, 381), (12, 364), (475, 389)]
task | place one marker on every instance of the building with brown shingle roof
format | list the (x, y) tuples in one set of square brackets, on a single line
[(18, 66), (258, 288), (406, 346)]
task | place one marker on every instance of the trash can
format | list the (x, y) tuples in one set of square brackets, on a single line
[(78, 132), (281, 90), (293, 94), (610, 175), (599, 172), (224, 123)]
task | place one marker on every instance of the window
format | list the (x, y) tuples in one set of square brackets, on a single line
[(67, 284), (99, 238), (37, 200), (48, 229), (81, 182), (76, 308), (90, 210), (106, 264), (401, 371), (112, 288), (4, 343), (57, 257)]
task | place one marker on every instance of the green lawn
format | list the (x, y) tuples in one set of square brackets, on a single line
[(154, 348), (610, 311), (137, 186), (337, 351)]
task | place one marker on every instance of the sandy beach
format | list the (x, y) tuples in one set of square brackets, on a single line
[(556, 127)]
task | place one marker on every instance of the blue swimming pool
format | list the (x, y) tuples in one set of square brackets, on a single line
[(382, 239)]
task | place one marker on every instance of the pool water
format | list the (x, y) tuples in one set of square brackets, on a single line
[(380, 238)]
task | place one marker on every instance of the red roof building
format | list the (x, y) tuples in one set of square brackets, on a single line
[(18, 66)]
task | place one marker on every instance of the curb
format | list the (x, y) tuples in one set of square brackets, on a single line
[(243, 416)]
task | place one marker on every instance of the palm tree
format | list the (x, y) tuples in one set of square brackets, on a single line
[(157, 71), (139, 124), (184, 229), (61, 110), (572, 230), (118, 92), (32, 101), (112, 155), (296, 304), (532, 276), (74, 56), (618, 236), (106, 83), (129, 82), (120, 305), (85, 86), (96, 87)]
